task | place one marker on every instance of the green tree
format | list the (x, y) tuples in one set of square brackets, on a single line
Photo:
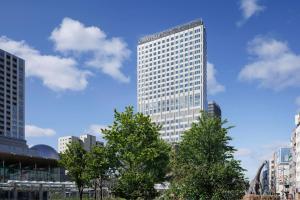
[(98, 166), (74, 161), (204, 166), (141, 157)]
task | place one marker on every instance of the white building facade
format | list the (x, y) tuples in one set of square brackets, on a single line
[(282, 168), (171, 78), (87, 141), (297, 153), (63, 142)]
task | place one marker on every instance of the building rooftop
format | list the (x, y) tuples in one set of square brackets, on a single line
[(176, 29), (46, 151)]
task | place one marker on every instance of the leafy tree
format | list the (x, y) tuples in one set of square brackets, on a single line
[(98, 167), (74, 161), (141, 157), (204, 166)]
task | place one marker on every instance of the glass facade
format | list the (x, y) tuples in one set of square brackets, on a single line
[(12, 75), (29, 173)]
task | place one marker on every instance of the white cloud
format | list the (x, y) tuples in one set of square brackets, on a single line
[(57, 73), (213, 86), (243, 152), (274, 65), (95, 129), (34, 131), (249, 8), (109, 54)]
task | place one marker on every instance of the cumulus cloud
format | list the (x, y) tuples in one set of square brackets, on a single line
[(108, 54), (274, 64), (243, 152), (95, 129), (34, 131), (213, 86), (249, 8), (57, 73)]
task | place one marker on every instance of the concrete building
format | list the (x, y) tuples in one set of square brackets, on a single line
[(63, 142), (282, 170), (99, 143), (293, 166), (214, 109), (23, 171), (296, 133), (272, 178), (87, 141), (171, 77), (12, 92)]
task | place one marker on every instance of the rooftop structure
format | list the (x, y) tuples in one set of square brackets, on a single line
[(171, 31)]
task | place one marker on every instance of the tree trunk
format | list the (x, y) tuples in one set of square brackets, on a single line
[(101, 190), (95, 187), (80, 194)]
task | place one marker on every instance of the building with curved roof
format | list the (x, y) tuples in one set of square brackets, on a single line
[(45, 151)]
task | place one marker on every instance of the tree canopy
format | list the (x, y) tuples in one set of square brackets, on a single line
[(97, 167), (74, 161), (204, 166), (141, 157)]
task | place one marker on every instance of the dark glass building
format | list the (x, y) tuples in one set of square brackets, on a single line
[(12, 89), (214, 109)]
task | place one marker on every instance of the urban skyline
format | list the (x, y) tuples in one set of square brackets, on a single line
[(83, 91)]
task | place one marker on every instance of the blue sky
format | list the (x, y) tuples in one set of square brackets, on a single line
[(81, 63)]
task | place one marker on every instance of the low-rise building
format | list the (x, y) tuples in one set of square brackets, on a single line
[(272, 178), (214, 109), (87, 141), (63, 142)]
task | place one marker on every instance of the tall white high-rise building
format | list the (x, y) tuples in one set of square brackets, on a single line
[(171, 77), (12, 89)]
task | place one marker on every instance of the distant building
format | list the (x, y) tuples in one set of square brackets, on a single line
[(214, 109), (272, 177), (293, 162), (98, 143), (63, 142), (282, 167), (12, 91), (296, 157), (265, 179), (87, 141)]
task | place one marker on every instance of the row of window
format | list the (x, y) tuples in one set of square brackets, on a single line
[(172, 56), (167, 48), (171, 77), (171, 38), (171, 104), (181, 54)]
